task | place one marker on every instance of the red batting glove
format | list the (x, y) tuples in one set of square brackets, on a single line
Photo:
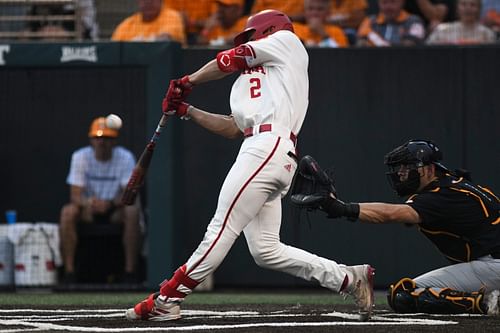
[(172, 98), (182, 111), (185, 85)]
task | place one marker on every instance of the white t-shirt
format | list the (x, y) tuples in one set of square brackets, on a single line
[(102, 180), (276, 88), (460, 34)]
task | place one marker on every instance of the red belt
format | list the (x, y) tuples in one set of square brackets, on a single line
[(249, 131)]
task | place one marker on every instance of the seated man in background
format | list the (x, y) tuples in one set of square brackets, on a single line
[(466, 30), (49, 30), (348, 14), (195, 15), (490, 15), (432, 12), (97, 176), (153, 22), (458, 216), (316, 31), (224, 24), (391, 26), (294, 9), (50, 21)]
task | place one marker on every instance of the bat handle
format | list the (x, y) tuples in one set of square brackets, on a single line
[(129, 197), (130, 193)]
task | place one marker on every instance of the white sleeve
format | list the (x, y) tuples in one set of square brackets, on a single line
[(77, 169), (273, 50)]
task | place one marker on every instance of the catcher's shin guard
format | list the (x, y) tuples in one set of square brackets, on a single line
[(404, 298), (400, 296)]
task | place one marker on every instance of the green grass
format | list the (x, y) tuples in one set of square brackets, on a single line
[(123, 299)]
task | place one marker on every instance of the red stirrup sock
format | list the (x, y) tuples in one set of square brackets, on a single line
[(171, 287), (345, 283)]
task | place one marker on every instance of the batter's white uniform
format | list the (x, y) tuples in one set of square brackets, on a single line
[(272, 95)]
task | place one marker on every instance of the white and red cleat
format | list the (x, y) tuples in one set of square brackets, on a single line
[(155, 308), (361, 289)]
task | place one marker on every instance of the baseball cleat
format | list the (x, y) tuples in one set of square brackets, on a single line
[(155, 308), (361, 289)]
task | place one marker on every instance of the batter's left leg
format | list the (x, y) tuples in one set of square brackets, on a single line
[(263, 239), (262, 235)]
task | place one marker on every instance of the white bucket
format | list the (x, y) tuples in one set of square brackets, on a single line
[(36, 253), (6, 258)]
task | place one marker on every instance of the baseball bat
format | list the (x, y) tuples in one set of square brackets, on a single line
[(136, 179)]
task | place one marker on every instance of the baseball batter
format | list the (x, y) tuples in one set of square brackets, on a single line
[(268, 100)]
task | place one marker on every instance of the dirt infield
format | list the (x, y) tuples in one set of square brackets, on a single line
[(241, 318)]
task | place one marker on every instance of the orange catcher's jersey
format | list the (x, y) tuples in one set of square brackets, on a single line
[(275, 90)]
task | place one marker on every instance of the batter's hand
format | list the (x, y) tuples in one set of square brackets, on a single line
[(181, 111), (172, 98), (185, 86)]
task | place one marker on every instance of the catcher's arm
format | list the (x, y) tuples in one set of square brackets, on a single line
[(379, 212), (314, 189)]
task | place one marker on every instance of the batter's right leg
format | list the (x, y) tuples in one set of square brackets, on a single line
[(239, 201)]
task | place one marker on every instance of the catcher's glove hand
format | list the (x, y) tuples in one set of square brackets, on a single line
[(313, 189), (311, 185)]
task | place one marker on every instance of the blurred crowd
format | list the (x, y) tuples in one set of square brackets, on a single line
[(318, 23)]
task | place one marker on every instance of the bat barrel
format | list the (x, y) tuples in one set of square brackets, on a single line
[(136, 179)]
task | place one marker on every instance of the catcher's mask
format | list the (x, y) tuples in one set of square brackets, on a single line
[(262, 24), (408, 158)]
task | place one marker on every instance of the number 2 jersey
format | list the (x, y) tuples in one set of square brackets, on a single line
[(275, 90)]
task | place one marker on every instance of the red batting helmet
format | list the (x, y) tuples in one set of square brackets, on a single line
[(262, 24)]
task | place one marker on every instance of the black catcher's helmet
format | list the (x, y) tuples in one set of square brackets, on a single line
[(413, 154)]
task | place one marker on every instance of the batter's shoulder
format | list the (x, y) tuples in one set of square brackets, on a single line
[(290, 39), (286, 34)]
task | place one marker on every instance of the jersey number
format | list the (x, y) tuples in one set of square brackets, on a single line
[(254, 89)]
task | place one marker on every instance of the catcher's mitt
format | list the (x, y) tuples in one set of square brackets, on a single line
[(311, 185), (314, 188)]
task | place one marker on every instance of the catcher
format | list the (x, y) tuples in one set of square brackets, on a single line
[(460, 217)]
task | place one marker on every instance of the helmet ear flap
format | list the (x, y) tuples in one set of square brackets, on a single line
[(243, 37), (269, 30)]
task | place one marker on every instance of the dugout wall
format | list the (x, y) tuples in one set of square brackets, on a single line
[(363, 102)]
